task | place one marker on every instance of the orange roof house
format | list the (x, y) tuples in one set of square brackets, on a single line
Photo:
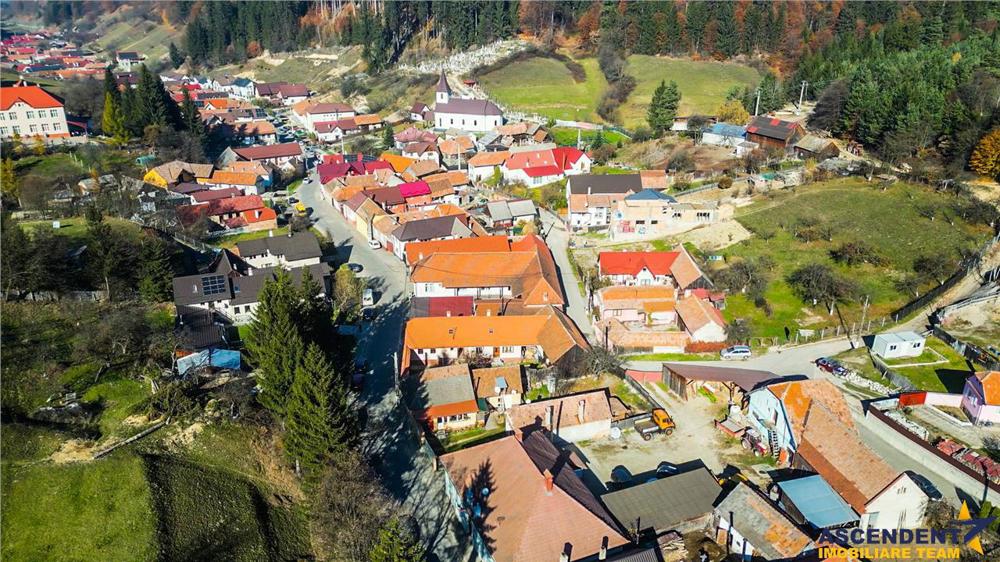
[(526, 272), (224, 177), (782, 408), (416, 251), (981, 397), (33, 96), (532, 504), (548, 335), (398, 163), (557, 415)]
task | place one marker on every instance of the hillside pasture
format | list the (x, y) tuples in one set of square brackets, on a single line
[(848, 210), (703, 84), (547, 86)]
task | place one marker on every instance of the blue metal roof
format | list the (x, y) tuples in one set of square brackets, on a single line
[(650, 195), (817, 502), (727, 130)]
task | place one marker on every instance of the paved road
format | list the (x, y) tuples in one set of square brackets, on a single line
[(558, 241), (391, 440)]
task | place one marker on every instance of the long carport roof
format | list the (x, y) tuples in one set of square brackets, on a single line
[(747, 379)]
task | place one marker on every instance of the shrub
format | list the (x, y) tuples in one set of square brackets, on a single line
[(725, 182), (704, 347)]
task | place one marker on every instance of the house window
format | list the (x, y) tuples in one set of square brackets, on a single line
[(45, 127), (236, 309), (33, 128), (3, 130), (677, 215), (54, 113), (916, 345), (30, 115), (704, 216), (3, 116), (57, 127), (892, 347), (432, 351), (17, 130)]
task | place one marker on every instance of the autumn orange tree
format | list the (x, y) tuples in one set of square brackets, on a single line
[(985, 158)]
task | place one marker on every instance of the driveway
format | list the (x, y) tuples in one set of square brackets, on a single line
[(391, 440), (554, 232)]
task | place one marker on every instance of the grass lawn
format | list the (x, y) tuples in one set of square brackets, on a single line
[(539, 393), (703, 84), (76, 227), (567, 136), (147, 38), (293, 186), (928, 356), (545, 86), (853, 210), (943, 377), (457, 440), (50, 166), (98, 510), (118, 398), (230, 241)]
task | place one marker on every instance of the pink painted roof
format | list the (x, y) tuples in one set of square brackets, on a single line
[(414, 189)]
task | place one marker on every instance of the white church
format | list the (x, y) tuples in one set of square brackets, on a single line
[(463, 114)]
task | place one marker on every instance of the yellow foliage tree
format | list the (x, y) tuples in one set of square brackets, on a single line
[(39, 147), (733, 112), (985, 158)]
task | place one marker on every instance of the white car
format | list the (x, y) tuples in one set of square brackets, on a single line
[(736, 352), (374, 244)]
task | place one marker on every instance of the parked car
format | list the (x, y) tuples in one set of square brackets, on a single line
[(736, 352), (356, 267), (374, 244), (926, 485), (368, 297), (620, 478), (659, 421), (665, 469)]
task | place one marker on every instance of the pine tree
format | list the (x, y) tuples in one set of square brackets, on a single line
[(985, 158), (598, 141), (315, 315), (190, 118), (111, 86), (155, 272), (318, 417), (113, 122), (663, 108), (653, 113), (274, 342), (151, 107), (176, 57), (388, 140), (396, 544)]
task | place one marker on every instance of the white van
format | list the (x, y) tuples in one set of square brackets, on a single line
[(368, 298), (736, 352)]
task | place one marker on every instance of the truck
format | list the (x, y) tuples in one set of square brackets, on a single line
[(659, 421)]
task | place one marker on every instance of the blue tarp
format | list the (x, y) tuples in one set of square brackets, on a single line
[(218, 358), (817, 502)]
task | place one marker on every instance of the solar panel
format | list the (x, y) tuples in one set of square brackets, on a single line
[(213, 284)]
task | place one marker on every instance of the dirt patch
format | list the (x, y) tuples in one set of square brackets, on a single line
[(137, 420), (716, 236), (185, 436), (74, 450)]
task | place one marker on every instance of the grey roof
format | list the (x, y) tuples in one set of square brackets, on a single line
[(499, 211), (770, 532), (468, 107), (298, 246), (450, 390), (229, 278), (747, 379), (522, 207), (489, 138), (771, 127), (815, 144), (432, 229), (611, 183), (650, 195), (664, 504), (640, 554), (190, 289), (246, 288), (817, 501)]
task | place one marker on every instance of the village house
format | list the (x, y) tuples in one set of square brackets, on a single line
[(769, 132), (751, 527), (464, 114), (455, 152), (413, 134), (649, 305), (420, 113), (778, 412), (652, 213), (538, 165), (250, 132), (501, 388), (435, 228), (311, 113), (285, 155), (30, 111), (231, 287), (422, 150), (675, 268), (593, 198), (809, 500), (702, 321), (571, 418), (724, 134), (811, 146), (522, 276), (981, 397), (640, 338), (239, 88), (177, 171), (292, 250), (527, 503), (484, 165), (331, 131), (282, 92), (263, 171), (445, 399), (683, 502), (243, 212), (884, 497), (895, 345), (127, 60), (548, 337), (247, 182), (504, 214)]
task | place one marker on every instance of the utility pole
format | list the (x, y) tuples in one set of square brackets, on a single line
[(802, 94), (864, 312), (756, 107)]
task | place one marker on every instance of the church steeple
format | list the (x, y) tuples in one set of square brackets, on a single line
[(442, 91)]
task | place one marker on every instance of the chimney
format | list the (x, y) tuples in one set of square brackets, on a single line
[(360, 157), (548, 417), (603, 553), (548, 482), (489, 312), (447, 313), (581, 410), (564, 557), (687, 293)]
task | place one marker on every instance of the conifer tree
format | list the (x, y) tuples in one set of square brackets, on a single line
[(155, 283), (176, 58), (112, 121), (396, 544), (388, 140), (274, 342), (318, 416), (663, 107)]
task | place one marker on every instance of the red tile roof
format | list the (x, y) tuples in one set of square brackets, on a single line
[(31, 95), (283, 150), (542, 171), (991, 386), (631, 263)]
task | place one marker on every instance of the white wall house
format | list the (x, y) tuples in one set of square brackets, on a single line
[(900, 506), (892, 345), (464, 114), (439, 290), (30, 111)]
